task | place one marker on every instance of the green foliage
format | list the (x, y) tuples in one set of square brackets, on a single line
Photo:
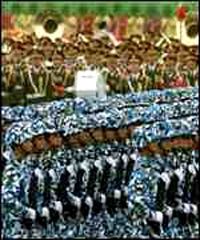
[(125, 10), (91, 8), (32, 8), (7, 6), (152, 10), (82, 9), (66, 9), (16, 8), (102, 9), (192, 8), (144, 9), (116, 9), (168, 11), (134, 9)]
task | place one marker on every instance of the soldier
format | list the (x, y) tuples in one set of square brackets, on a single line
[(180, 77), (13, 80), (122, 134), (122, 81), (59, 44), (134, 69), (7, 45), (97, 135), (179, 80), (69, 64), (151, 70), (54, 141), (136, 38), (28, 46), (36, 77), (152, 29), (173, 46), (58, 75), (27, 147), (169, 69), (110, 135), (113, 83), (47, 47), (5, 70), (192, 69), (85, 138), (40, 144), (23, 149)]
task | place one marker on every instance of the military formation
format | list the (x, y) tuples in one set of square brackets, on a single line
[(124, 166), (35, 70)]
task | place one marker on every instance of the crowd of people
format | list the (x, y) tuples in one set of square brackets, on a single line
[(80, 123), (121, 166), (38, 68), (61, 159)]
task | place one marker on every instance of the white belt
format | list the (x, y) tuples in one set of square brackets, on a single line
[(36, 95)]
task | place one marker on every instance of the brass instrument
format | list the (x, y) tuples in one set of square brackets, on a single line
[(189, 29), (50, 20), (192, 26), (49, 23)]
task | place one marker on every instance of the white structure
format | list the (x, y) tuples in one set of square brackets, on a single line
[(40, 32), (185, 38), (90, 83)]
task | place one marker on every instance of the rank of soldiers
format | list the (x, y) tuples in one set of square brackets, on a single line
[(35, 70)]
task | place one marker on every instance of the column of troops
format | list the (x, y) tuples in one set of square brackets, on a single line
[(35, 70)]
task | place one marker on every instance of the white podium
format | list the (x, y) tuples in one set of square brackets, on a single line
[(90, 83)]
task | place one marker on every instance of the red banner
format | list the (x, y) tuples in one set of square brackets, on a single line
[(120, 27), (85, 24), (7, 21)]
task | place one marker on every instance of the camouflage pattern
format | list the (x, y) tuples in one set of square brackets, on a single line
[(46, 194)]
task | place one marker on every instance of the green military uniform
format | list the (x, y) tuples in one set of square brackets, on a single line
[(4, 92), (12, 85), (58, 77), (18, 90), (151, 73), (141, 82), (37, 84), (112, 82), (191, 74), (168, 76), (191, 78)]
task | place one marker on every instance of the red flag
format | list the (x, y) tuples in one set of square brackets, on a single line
[(181, 13)]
